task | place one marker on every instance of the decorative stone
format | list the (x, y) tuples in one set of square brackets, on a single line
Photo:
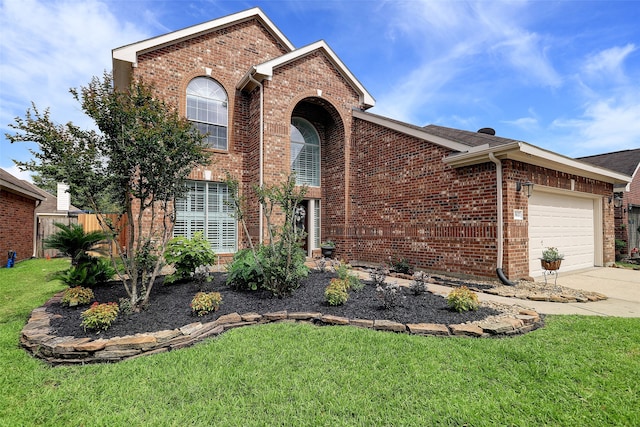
[(277, 315), (92, 346), (131, 342), (527, 319), (304, 315), (229, 318), (190, 328), (334, 320), (388, 325), (428, 329), (497, 327), (251, 317), (115, 354), (466, 330), (361, 323), (165, 335), (538, 297)]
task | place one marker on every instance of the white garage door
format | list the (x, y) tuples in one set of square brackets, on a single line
[(563, 221)]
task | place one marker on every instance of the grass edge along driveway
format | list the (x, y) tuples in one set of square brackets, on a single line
[(576, 371)]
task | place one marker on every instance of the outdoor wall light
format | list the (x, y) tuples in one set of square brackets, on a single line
[(528, 187), (617, 201)]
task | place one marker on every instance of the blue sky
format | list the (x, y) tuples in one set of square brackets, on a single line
[(564, 76)]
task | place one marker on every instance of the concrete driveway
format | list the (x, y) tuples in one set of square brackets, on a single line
[(622, 286)]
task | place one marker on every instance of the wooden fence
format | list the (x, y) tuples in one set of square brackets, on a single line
[(90, 223)]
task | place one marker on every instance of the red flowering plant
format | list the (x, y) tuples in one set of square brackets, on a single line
[(100, 316)]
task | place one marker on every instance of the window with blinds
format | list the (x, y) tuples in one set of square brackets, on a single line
[(205, 208), (305, 152)]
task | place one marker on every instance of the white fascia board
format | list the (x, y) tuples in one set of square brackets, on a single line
[(527, 153), (265, 70), (411, 131), (130, 52)]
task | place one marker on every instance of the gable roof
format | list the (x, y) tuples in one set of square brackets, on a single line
[(264, 71), (472, 139), (18, 186), (129, 53), (625, 161)]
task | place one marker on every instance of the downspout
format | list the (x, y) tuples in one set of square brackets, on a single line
[(35, 230), (500, 220), (261, 172)]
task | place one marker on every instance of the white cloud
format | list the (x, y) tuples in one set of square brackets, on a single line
[(463, 49), (608, 63), (606, 125), (13, 170), (49, 47)]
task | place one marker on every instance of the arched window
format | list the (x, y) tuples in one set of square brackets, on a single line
[(305, 152), (207, 109)]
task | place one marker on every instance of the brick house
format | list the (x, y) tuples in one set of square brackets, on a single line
[(18, 202), (447, 200), (627, 197)]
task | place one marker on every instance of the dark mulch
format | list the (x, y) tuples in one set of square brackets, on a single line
[(169, 306)]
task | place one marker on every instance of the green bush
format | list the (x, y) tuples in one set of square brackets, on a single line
[(463, 299), (186, 255), (77, 296), (72, 241), (100, 316), (336, 292), (88, 273), (273, 267), (205, 303), (245, 273), (401, 265), (343, 270)]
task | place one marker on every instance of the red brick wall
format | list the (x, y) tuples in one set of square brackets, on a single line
[(16, 226), (407, 203)]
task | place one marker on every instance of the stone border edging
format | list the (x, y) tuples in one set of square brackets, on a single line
[(37, 338)]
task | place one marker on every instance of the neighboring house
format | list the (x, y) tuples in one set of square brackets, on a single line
[(51, 211), (445, 199), (627, 197), (18, 202)]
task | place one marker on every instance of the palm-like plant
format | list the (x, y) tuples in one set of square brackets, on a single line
[(72, 241)]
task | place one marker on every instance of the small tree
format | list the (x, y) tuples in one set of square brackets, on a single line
[(280, 261), (138, 163)]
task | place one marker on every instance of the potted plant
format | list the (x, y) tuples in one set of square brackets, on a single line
[(327, 248), (551, 258)]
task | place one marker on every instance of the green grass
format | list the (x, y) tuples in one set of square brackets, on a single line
[(576, 371)]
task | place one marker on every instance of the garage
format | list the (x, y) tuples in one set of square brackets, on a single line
[(565, 221)]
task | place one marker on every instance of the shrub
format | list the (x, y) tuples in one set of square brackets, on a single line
[(463, 299), (419, 284), (378, 275), (99, 316), (186, 255), (401, 265), (245, 273), (343, 270), (77, 296), (205, 303), (88, 273), (336, 292), (389, 294), (72, 241)]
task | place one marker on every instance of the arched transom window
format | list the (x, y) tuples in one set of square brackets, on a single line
[(207, 109), (305, 152)]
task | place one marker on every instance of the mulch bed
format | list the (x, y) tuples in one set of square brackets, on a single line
[(169, 306)]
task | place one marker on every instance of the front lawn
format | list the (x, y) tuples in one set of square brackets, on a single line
[(574, 371)]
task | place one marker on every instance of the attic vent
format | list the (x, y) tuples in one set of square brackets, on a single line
[(488, 131)]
